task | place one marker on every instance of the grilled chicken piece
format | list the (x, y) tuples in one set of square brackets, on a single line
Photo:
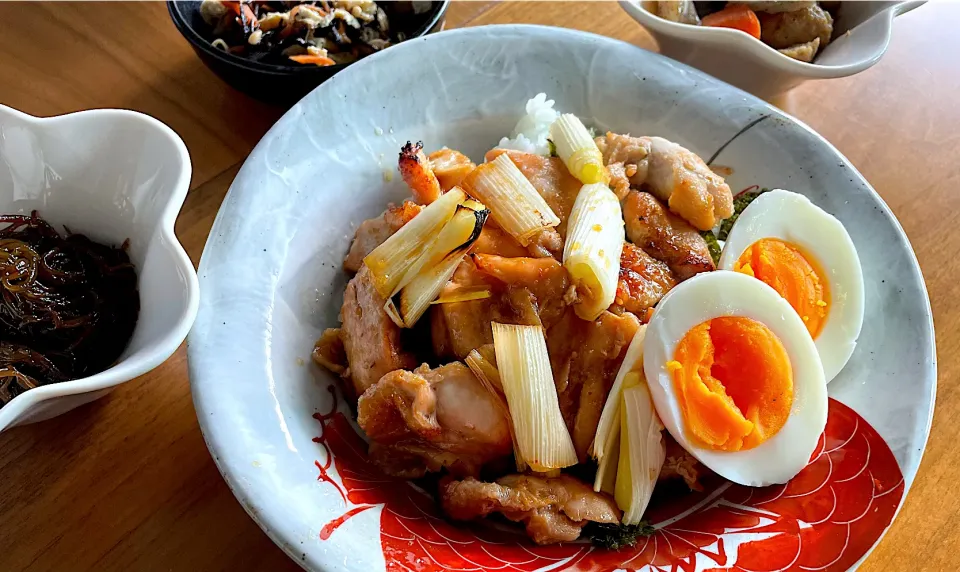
[(585, 358), (643, 280), (673, 174), (683, 181), (787, 29), (371, 340), (552, 509), (627, 159), (373, 232), (329, 353), (620, 178), (493, 240), (458, 327), (551, 179), (450, 167), (546, 244), (544, 278), (417, 173), (433, 418), (529, 291), (666, 237)]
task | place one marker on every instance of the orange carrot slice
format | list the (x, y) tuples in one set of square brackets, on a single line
[(244, 11), (736, 16), (312, 59)]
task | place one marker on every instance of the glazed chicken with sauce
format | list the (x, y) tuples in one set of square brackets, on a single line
[(432, 419), (671, 173), (551, 509), (665, 236), (425, 411)]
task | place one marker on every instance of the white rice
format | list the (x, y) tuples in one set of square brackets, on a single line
[(530, 134)]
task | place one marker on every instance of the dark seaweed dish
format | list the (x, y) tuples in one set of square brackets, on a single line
[(315, 33), (68, 305)]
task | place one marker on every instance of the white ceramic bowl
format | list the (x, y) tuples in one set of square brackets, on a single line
[(112, 175), (272, 281), (751, 65)]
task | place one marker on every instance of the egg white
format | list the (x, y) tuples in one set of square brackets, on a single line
[(723, 293), (791, 217)]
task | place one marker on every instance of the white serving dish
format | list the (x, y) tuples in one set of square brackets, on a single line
[(741, 60), (272, 281), (112, 175)]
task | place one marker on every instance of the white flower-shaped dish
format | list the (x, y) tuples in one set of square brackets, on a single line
[(862, 34), (273, 280), (112, 175)]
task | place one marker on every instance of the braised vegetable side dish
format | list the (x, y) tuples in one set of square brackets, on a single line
[(69, 305), (320, 33), (799, 29), (544, 336)]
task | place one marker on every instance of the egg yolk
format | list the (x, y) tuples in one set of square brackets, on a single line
[(783, 267), (733, 382)]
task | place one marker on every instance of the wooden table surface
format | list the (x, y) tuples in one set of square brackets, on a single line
[(126, 483)]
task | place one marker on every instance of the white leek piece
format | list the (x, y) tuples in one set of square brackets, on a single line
[(484, 367), (513, 201), (543, 441), (412, 302), (606, 478), (463, 294), (389, 262), (461, 230), (592, 250), (578, 150), (606, 444), (433, 269), (642, 450)]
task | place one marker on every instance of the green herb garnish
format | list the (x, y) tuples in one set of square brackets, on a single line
[(616, 536), (553, 148), (712, 244), (740, 202)]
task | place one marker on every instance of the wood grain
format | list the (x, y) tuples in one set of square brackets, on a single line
[(126, 483)]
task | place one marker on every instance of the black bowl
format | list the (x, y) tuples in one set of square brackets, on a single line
[(277, 84)]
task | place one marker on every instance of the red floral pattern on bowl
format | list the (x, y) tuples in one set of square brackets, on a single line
[(826, 518)]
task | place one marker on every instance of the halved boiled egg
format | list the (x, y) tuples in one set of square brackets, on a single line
[(806, 255), (735, 377)]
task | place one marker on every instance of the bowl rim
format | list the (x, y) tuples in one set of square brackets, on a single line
[(215, 432), (763, 52), (126, 368), (199, 42)]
